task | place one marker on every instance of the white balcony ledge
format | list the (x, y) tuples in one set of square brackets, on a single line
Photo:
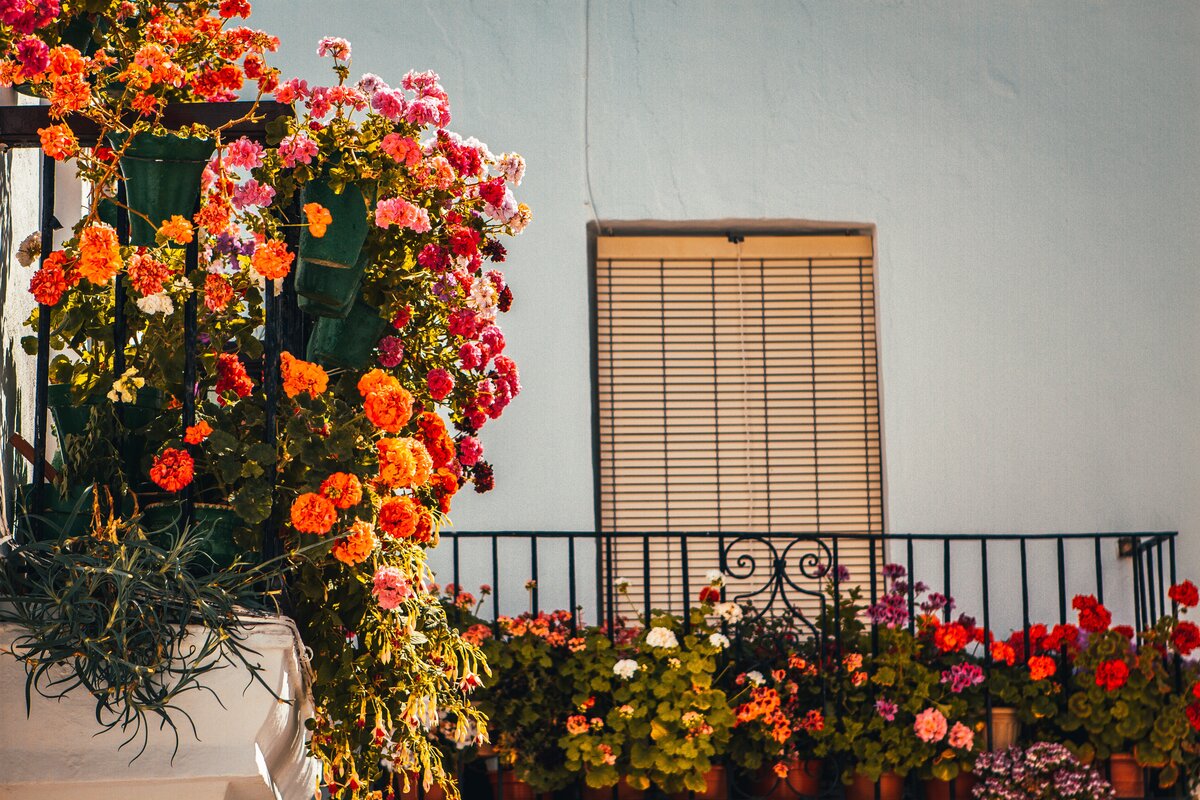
[(252, 748)]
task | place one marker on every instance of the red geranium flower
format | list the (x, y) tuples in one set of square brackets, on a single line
[(1186, 638), (1093, 617), (1185, 594), (1112, 675)]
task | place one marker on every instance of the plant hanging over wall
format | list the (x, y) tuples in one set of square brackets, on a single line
[(390, 227)]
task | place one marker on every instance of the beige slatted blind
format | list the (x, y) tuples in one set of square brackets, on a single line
[(738, 392)]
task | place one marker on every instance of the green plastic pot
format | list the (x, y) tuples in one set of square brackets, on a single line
[(70, 417), (349, 342), (323, 291), (214, 522), (345, 236), (162, 178), (69, 514)]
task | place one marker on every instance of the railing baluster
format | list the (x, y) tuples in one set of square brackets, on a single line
[(946, 578), (1025, 600), (987, 626), (533, 567), (1061, 553), (912, 588), (42, 365), (191, 261), (571, 583), (496, 582), (1099, 570)]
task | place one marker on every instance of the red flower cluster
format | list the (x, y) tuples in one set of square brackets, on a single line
[(1112, 674), (1093, 617), (1185, 594), (1186, 637)]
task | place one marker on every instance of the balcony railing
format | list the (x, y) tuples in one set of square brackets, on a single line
[(1007, 582)]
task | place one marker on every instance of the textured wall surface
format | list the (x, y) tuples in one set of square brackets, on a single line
[(1030, 168)]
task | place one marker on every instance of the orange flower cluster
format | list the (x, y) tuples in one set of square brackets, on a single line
[(357, 545), (313, 513), (302, 376), (319, 218), (177, 230), (1042, 667), (951, 638), (54, 277), (389, 407), (403, 463), (445, 485), (271, 260), (69, 89), (195, 434), (431, 430), (217, 292), (146, 274), (343, 489), (375, 380), (405, 518), (99, 254), (58, 142), (214, 216), (172, 469)]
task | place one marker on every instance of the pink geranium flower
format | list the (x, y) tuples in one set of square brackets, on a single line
[(931, 725)]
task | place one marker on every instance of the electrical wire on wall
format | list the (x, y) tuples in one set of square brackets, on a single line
[(587, 145)]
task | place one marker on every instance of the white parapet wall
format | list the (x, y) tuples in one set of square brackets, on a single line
[(249, 745)]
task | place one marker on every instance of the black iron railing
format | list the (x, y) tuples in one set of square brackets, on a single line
[(1007, 582)]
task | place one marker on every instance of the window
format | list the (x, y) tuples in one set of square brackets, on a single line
[(737, 392)]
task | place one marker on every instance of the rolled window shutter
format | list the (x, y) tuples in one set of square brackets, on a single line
[(738, 392)]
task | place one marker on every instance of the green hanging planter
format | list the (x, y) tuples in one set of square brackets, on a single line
[(348, 342), (323, 291), (345, 235), (215, 524), (70, 417), (162, 178)]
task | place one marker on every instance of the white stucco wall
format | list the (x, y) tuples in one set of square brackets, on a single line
[(1030, 167)]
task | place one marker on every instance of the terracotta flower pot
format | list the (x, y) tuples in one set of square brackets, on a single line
[(1126, 776), (715, 786), (957, 789), (506, 786), (803, 779), (414, 792), (1006, 727), (162, 178), (347, 342), (891, 787)]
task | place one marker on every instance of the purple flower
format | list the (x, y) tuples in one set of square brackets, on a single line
[(962, 676), (892, 571), (843, 572), (886, 709)]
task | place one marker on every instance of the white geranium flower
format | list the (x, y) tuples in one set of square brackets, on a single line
[(662, 637), (621, 584), (156, 304), (625, 668), (719, 641), (730, 612), (124, 388), (715, 577), (756, 677)]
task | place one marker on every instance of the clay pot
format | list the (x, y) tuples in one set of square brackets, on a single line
[(957, 789), (803, 780), (891, 787), (715, 786), (434, 792), (1126, 776), (1006, 727)]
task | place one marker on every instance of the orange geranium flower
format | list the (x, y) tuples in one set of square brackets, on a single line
[(302, 376), (58, 142), (176, 229), (1041, 667), (172, 469), (389, 408), (343, 489), (403, 463), (146, 274), (400, 517), (313, 513), (319, 218), (195, 434), (375, 380), (357, 545), (445, 486), (68, 93), (99, 254), (272, 260), (214, 216)]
